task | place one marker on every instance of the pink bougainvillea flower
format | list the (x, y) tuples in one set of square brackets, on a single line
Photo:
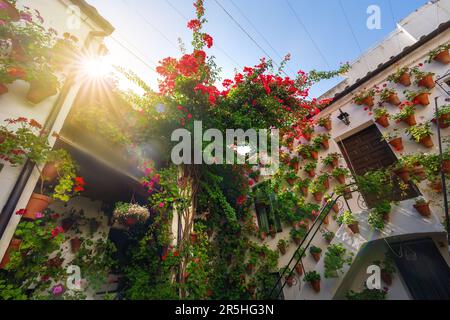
[(240, 200), (251, 182), (161, 205), (39, 215), (58, 290)]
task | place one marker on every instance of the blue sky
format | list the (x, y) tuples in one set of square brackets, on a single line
[(151, 29)]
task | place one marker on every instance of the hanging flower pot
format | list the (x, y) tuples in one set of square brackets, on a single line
[(38, 92), (436, 186), (410, 120), (383, 121), (427, 82), (315, 285), (13, 246), (326, 220), (397, 144), (314, 155), (304, 191), (443, 57), (272, 233), (423, 208), (37, 203), (49, 172), (10, 10), (299, 269), (446, 166), (75, 244), (263, 236), (368, 101), (394, 99), (354, 227), (326, 183), (3, 89), (427, 142), (386, 277), (443, 121), (405, 79), (312, 173), (335, 208), (419, 173), (318, 196), (341, 179), (290, 181), (423, 99), (325, 144), (403, 173)]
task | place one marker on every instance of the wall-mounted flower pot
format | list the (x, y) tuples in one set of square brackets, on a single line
[(423, 99), (304, 191), (49, 172), (312, 173), (446, 166), (37, 203), (410, 120), (295, 166), (38, 92), (405, 79), (423, 209), (443, 57), (443, 121), (3, 89), (290, 181), (386, 277), (75, 244), (335, 163), (315, 155), (315, 285), (327, 125), (436, 186), (326, 144), (290, 280), (316, 256), (13, 246), (326, 183), (394, 99), (397, 144), (383, 121), (318, 196), (297, 240), (403, 174), (282, 250), (307, 136), (341, 179), (10, 10), (326, 220), (299, 269), (193, 237), (272, 233), (427, 142), (427, 82), (335, 208), (419, 173), (354, 227)]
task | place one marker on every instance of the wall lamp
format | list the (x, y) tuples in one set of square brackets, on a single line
[(344, 117)]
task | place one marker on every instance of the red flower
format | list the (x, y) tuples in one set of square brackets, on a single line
[(200, 55), (240, 200), (35, 124), (57, 231), (21, 212), (187, 65), (80, 181), (17, 73), (208, 40), (194, 24)]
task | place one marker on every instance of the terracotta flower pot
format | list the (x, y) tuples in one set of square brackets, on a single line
[(326, 184), (446, 166), (410, 120), (193, 237), (326, 220), (386, 217), (394, 100), (315, 155), (290, 181), (49, 172), (10, 10), (318, 196), (290, 280), (386, 277), (327, 125), (423, 99), (75, 244), (397, 143), (273, 234), (307, 136), (427, 82), (423, 209), (316, 256), (326, 144), (316, 285), (368, 101), (282, 249), (299, 269), (335, 208), (38, 92), (419, 173), (443, 57), (436, 186), (312, 173), (383, 121), (427, 142), (403, 173), (3, 89), (443, 121), (354, 227), (297, 240), (37, 203), (405, 79), (335, 163), (295, 166), (13, 246), (304, 191)]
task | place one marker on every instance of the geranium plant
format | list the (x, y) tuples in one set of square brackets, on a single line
[(340, 174), (406, 114), (322, 140), (381, 116), (440, 54), (335, 259), (421, 133), (390, 95), (332, 159), (365, 97), (420, 96), (422, 78), (401, 75)]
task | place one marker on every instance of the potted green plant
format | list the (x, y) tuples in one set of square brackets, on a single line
[(381, 116), (304, 150), (317, 189), (402, 170), (367, 294), (340, 174), (421, 133), (423, 207), (307, 132), (332, 160), (297, 234), (440, 54), (390, 96), (315, 252), (334, 260), (299, 267), (418, 97), (401, 76), (365, 98), (310, 168), (295, 163), (394, 139), (443, 116), (291, 177), (14, 246), (324, 179), (423, 79), (314, 279), (343, 190), (252, 262), (129, 214), (349, 220), (290, 279), (379, 215), (322, 140), (303, 185), (328, 235), (407, 115), (325, 122), (282, 246)]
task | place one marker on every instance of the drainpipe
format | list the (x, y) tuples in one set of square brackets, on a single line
[(27, 170)]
